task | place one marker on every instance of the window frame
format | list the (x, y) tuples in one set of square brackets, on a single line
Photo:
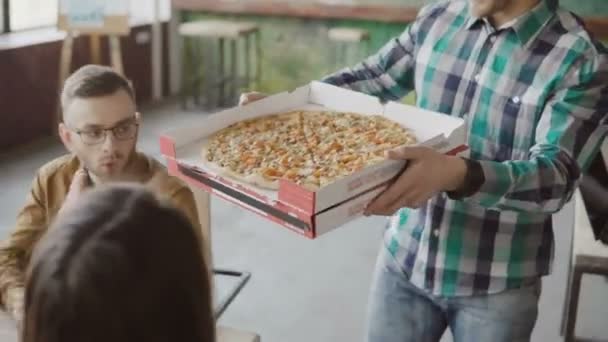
[(6, 17), (8, 25)]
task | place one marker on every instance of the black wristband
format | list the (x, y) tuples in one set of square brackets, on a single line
[(473, 180)]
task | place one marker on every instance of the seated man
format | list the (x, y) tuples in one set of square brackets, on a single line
[(99, 129)]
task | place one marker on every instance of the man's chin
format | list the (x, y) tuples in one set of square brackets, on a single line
[(108, 173), (477, 9), (476, 12)]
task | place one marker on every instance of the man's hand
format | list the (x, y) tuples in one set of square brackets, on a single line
[(79, 183), (428, 172), (15, 298), (247, 98)]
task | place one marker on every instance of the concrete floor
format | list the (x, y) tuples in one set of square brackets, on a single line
[(301, 290)]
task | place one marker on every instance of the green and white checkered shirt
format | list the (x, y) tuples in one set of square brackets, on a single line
[(534, 94)]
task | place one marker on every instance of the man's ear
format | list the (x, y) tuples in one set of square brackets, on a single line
[(66, 136)]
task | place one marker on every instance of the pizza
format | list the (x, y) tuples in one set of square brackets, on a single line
[(309, 148)]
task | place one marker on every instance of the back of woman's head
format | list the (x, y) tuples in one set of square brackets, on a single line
[(118, 266)]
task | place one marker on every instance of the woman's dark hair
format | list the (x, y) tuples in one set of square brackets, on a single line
[(119, 266)]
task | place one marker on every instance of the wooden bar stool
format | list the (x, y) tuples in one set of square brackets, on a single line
[(347, 46), (226, 334), (198, 77)]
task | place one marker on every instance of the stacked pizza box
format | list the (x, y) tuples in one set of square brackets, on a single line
[(308, 212)]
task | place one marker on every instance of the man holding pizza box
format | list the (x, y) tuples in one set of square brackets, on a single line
[(470, 239)]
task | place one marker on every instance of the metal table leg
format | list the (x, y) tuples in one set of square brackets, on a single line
[(224, 303)]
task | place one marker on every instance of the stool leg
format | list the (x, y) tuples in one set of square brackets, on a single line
[(196, 63), (346, 55), (341, 55), (258, 52), (233, 71), (566, 309), (349, 51), (185, 87), (573, 305), (203, 71), (248, 61), (332, 57), (209, 73), (221, 74)]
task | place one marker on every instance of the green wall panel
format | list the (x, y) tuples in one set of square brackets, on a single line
[(296, 51)]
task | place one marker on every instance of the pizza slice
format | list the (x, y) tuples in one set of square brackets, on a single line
[(344, 143)]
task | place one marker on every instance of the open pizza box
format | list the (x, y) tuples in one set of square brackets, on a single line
[(301, 210)]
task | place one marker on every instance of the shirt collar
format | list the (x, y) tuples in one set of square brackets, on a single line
[(526, 26)]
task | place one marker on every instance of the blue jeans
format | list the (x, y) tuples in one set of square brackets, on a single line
[(401, 312)]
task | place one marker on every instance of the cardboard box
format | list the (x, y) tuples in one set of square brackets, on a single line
[(306, 212)]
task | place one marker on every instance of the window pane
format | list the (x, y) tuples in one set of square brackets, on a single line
[(27, 14), (142, 11)]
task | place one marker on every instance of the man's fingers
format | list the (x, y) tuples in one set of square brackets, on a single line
[(374, 209), (383, 212), (247, 98), (406, 192), (406, 153), (381, 204), (395, 192), (408, 200), (414, 199), (80, 180), (81, 175)]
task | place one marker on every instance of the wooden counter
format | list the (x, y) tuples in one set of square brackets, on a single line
[(389, 14), (301, 10)]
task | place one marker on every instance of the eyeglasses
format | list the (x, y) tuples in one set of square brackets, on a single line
[(124, 131)]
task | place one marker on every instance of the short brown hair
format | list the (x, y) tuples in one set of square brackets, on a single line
[(119, 266), (92, 81)]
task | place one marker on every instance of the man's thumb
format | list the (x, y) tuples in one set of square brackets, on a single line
[(405, 153)]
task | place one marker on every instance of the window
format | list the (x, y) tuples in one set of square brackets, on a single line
[(27, 14), (142, 11)]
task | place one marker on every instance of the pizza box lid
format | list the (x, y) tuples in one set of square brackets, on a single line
[(438, 131)]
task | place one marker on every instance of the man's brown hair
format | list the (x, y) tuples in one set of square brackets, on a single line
[(93, 81)]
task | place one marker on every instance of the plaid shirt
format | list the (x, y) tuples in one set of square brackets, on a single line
[(534, 94)]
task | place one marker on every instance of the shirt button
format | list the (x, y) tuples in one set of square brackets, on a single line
[(516, 99), (493, 39), (436, 232), (477, 78)]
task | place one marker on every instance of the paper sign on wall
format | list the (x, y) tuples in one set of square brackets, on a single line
[(86, 13), (94, 16)]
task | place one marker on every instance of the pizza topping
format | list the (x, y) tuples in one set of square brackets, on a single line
[(312, 149)]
